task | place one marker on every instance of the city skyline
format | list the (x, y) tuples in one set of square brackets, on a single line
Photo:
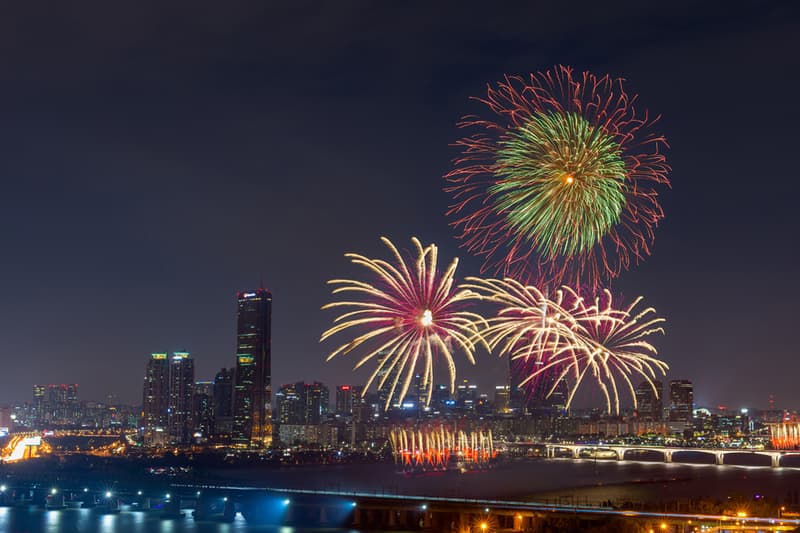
[(174, 181)]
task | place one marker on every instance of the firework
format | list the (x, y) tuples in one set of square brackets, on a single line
[(437, 448), (569, 339), (410, 314), (785, 436), (558, 184)]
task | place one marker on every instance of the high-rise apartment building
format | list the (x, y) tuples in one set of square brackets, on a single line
[(650, 403), (223, 405), (302, 403), (203, 410), (291, 404), (317, 402), (181, 391), (155, 399), (55, 405), (252, 412)]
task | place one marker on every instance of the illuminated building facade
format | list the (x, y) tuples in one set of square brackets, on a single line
[(181, 392), (252, 412), (155, 399)]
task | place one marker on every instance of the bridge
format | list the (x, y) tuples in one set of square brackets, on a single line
[(364, 510), (618, 452)]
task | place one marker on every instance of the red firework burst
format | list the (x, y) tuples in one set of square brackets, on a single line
[(557, 186)]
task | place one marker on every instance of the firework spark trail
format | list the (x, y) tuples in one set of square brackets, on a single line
[(570, 338), (557, 186), (412, 313)]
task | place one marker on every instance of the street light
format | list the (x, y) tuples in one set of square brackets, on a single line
[(484, 525)]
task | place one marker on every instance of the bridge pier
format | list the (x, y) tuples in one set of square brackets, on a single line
[(775, 460), (576, 453), (667, 456), (392, 518), (719, 458)]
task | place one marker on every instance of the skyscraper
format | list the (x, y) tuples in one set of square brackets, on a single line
[(252, 412), (203, 409), (302, 403), (291, 404), (388, 375), (650, 405), (344, 400), (681, 404), (155, 399), (317, 402), (223, 405), (181, 391)]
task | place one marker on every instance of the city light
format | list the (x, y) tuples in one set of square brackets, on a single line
[(3, 488), (108, 494), (53, 490), (286, 501)]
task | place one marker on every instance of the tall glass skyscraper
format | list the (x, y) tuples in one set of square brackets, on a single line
[(252, 412)]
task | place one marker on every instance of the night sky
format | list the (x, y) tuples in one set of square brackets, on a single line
[(157, 158)]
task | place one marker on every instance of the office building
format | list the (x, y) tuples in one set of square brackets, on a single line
[(345, 400), (252, 411), (681, 404), (649, 402)]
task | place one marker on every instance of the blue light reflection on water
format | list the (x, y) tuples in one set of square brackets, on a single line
[(33, 520)]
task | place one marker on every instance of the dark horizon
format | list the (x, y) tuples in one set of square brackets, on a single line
[(160, 158)]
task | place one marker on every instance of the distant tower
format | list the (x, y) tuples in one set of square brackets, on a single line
[(252, 411), (181, 392), (155, 399)]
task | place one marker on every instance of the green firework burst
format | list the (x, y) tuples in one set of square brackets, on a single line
[(560, 183)]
